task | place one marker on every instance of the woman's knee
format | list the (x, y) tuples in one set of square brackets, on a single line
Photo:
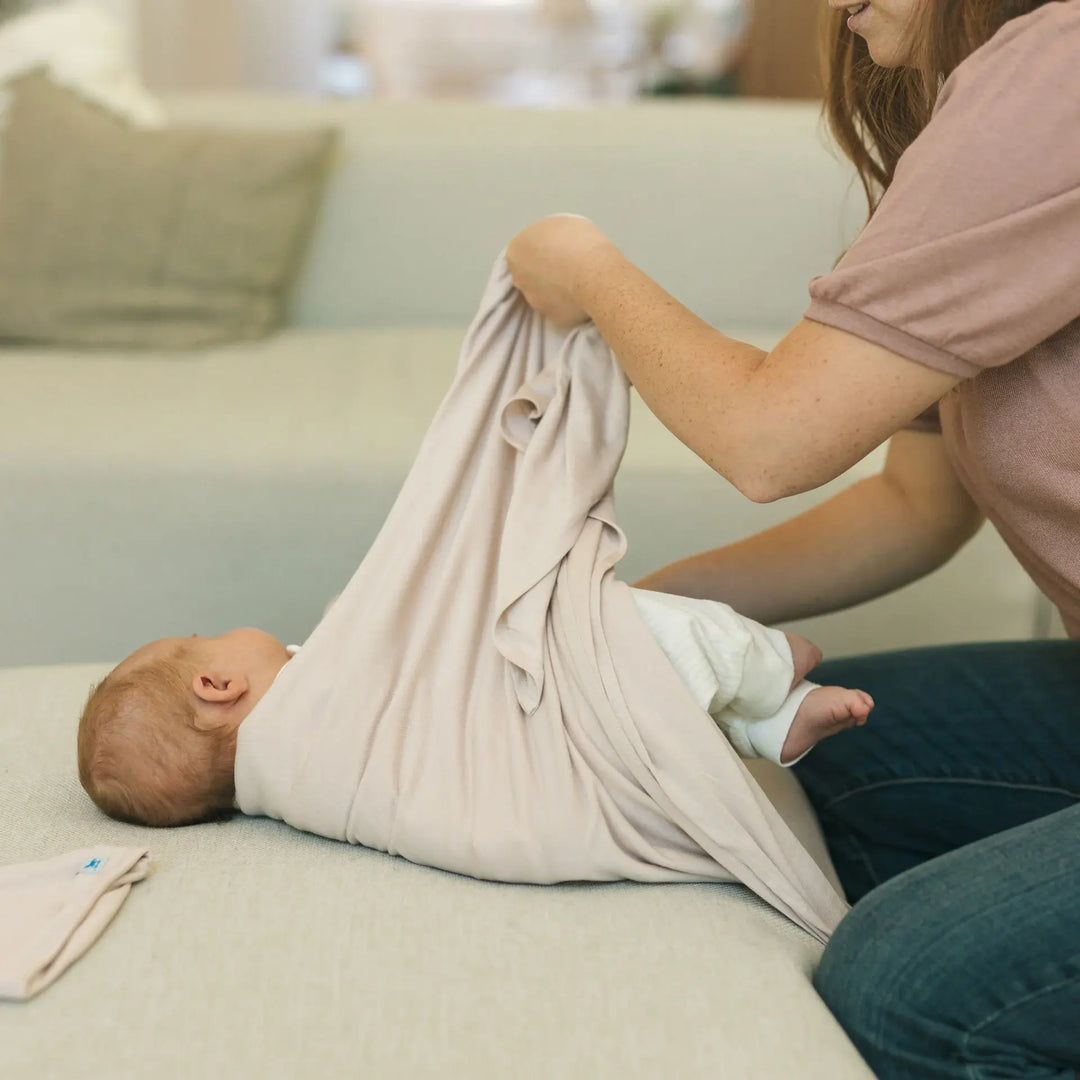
[(858, 964), (882, 978), (965, 965)]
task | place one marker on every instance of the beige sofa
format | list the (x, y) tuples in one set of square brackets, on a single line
[(146, 495)]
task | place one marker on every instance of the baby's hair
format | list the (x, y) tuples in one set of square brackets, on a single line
[(142, 759)]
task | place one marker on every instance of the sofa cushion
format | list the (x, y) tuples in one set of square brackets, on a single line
[(112, 236), (253, 950)]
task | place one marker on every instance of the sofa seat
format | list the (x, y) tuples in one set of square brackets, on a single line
[(253, 950)]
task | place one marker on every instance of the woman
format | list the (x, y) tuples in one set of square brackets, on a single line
[(952, 327)]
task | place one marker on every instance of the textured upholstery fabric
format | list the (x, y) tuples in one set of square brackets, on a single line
[(253, 950), (112, 236)]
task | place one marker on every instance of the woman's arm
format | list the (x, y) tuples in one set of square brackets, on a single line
[(875, 536), (774, 424)]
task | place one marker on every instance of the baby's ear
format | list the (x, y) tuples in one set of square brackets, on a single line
[(218, 688)]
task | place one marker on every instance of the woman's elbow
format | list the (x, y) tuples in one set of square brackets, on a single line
[(768, 468), (767, 481), (763, 489)]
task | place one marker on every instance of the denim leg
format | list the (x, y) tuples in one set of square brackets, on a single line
[(964, 741), (954, 815), (968, 966)]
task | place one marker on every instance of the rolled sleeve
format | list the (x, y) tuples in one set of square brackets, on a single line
[(973, 255)]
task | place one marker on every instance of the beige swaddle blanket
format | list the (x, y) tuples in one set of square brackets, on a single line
[(53, 910), (484, 696)]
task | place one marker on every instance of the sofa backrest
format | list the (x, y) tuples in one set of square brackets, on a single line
[(732, 205)]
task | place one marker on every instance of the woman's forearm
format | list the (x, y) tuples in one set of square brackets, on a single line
[(773, 424), (858, 545), (689, 374)]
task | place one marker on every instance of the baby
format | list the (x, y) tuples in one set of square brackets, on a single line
[(157, 739)]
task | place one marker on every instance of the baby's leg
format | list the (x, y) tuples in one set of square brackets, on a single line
[(749, 678)]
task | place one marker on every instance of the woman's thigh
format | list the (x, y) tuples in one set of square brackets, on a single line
[(965, 741), (968, 966)]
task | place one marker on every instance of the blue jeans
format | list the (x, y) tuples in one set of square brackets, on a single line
[(953, 818)]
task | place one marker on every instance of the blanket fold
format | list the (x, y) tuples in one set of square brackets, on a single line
[(484, 696), (563, 441), (53, 910)]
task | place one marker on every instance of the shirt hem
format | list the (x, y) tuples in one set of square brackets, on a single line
[(842, 317)]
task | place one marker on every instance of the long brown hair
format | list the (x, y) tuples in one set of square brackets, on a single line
[(875, 112)]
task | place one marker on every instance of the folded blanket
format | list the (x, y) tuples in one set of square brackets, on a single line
[(484, 696), (53, 910)]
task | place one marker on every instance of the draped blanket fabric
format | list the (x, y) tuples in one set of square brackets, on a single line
[(484, 696)]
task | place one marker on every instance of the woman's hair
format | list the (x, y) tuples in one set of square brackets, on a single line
[(142, 759), (875, 112)]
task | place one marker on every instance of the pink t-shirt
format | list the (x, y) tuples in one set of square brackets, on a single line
[(971, 265)]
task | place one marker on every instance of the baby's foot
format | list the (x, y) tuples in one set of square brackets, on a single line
[(823, 712)]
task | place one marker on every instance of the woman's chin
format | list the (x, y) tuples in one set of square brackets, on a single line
[(885, 55)]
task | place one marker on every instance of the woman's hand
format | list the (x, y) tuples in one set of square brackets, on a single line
[(546, 260)]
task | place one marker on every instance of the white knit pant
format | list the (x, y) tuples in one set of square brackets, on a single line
[(737, 670)]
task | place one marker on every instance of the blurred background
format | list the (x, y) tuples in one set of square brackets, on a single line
[(517, 52), (212, 194)]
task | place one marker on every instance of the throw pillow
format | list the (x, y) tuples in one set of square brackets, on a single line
[(116, 237)]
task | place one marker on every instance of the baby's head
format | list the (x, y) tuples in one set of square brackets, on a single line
[(157, 739)]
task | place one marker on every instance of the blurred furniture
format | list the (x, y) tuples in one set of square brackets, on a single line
[(111, 237), (156, 494), (518, 52), (267, 45), (11, 8), (780, 58), (694, 46), (542, 52)]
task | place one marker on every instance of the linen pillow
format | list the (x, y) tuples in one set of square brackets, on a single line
[(180, 238)]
